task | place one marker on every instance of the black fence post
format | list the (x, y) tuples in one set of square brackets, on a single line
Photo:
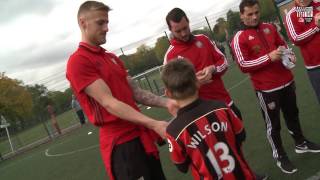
[(167, 37), (156, 86), (46, 128), (211, 31), (147, 79)]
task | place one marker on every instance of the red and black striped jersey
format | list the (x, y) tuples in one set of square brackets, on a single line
[(203, 137)]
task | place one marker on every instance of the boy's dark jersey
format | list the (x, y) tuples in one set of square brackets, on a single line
[(203, 137)]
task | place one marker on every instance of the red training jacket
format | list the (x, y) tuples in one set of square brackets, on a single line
[(305, 34), (202, 52), (251, 47)]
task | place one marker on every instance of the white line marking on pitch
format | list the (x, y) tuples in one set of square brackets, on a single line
[(315, 177), (239, 83), (69, 153)]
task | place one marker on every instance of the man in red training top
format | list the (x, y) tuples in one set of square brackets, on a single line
[(100, 83), (303, 27), (207, 59), (261, 52)]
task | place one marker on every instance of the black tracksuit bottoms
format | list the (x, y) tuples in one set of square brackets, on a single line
[(271, 103)]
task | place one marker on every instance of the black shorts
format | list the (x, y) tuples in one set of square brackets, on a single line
[(130, 162)]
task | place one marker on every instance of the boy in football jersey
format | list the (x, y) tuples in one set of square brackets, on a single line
[(206, 135)]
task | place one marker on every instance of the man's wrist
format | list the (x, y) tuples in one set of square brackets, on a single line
[(214, 70), (318, 27), (152, 124)]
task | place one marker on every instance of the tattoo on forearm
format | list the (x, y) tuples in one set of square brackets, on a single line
[(145, 97)]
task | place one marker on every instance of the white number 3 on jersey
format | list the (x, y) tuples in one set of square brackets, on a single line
[(223, 157)]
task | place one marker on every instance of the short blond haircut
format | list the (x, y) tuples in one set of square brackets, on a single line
[(92, 5)]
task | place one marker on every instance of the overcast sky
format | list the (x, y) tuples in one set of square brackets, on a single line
[(37, 36)]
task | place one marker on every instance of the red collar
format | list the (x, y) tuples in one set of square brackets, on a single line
[(176, 42), (92, 48)]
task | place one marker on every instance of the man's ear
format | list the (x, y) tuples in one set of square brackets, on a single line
[(167, 93), (241, 17), (82, 22)]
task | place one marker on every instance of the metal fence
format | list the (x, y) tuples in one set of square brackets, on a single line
[(41, 133), (150, 80)]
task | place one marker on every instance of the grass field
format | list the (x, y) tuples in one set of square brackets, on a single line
[(37, 132), (76, 155)]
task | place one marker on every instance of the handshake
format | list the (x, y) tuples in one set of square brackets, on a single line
[(287, 56)]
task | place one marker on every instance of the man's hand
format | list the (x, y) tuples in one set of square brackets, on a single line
[(293, 58), (275, 55), (160, 128), (172, 107), (204, 76), (317, 19)]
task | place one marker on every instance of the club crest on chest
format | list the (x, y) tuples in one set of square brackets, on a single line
[(199, 44), (266, 30), (256, 49)]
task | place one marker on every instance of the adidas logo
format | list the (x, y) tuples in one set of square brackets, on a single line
[(251, 38), (180, 57)]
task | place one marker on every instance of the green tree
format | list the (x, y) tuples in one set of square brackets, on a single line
[(161, 47), (127, 62), (233, 23), (219, 30), (268, 11), (206, 31), (15, 101), (60, 100), (39, 94), (144, 59)]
